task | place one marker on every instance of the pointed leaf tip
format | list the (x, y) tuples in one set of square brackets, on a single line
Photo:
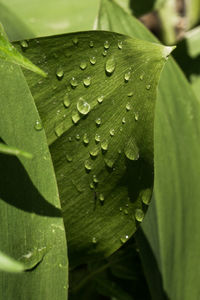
[(167, 51)]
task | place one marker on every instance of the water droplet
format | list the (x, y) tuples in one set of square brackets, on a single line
[(87, 81), (142, 77), (127, 76), (60, 73), (124, 239), (139, 215), (91, 44), (104, 53), (101, 198), (120, 209), (75, 40), (94, 152), (109, 162), (146, 196), (97, 138), (58, 130), (83, 65), (126, 212), (148, 86), (104, 145), (98, 121), (85, 139), (92, 185), (94, 240), (66, 101), (130, 94), (123, 120), (128, 106), (77, 137), (38, 125), (69, 157), (95, 179), (83, 106), (110, 66), (106, 45), (73, 82), (120, 44), (131, 150), (93, 60), (136, 116), (112, 132), (24, 45), (88, 165), (100, 99), (75, 117)]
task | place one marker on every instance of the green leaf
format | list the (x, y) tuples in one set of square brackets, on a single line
[(97, 104), (192, 10), (47, 17), (14, 151), (32, 230), (9, 53), (172, 217), (8, 264)]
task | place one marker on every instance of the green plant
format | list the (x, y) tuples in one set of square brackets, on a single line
[(82, 106)]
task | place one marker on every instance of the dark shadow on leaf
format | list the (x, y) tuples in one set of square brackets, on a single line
[(189, 65), (141, 7), (150, 266), (17, 189)]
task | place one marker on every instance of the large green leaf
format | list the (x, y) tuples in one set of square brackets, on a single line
[(46, 17), (97, 108), (32, 229), (172, 223)]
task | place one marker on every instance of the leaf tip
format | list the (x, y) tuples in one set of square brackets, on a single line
[(167, 51)]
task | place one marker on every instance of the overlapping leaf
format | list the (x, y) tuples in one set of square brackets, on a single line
[(97, 108)]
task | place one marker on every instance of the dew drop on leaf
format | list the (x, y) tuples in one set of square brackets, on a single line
[(83, 106), (101, 198), (88, 165), (38, 125), (24, 45), (139, 215), (59, 73), (141, 77), (112, 132), (75, 40), (130, 94), (73, 82), (106, 45), (93, 60), (124, 239), (136, 116), (94, 240), (120, 45), (131, 150), (83, 65), (123, 120), (91, 185), (77, 137), (104, 53), (58, 131), (98, 121), (69, 158), (148, 86), (126, 212), (128, 106), (100, 99), (97, 138), (95, 180), (85, 139), (146, 196), (87, 81), (75, 117), (127, 76), (66, 101), (94, 152), (91, 44), (110, 65), (104, 145)]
